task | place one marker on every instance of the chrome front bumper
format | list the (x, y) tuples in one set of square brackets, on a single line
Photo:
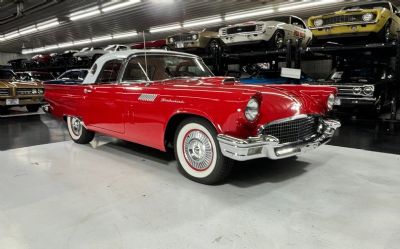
[(266, 146)]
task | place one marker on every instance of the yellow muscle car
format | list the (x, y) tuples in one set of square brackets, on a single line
[(381, 20), (19, 93)]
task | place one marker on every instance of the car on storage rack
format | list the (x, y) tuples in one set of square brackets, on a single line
[(70, 77), (266, 33), (19, 93), (41, 60), (195, 41), (34, 76), (91, 54), (379, 20), (366, 87), (165, 99), (160, 44), (64, 59)]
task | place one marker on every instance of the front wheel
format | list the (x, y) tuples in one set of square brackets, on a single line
[(198, 153), (78, 132), (278, 40)]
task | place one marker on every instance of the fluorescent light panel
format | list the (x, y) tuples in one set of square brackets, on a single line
[(66, 44), (246, 14), (115, 6), (305, 5), (82, 42), (27, 30), (125, 35), (48, 24), (84, 13), (200, 22), (11, 35), (103, 38), (165, 28)]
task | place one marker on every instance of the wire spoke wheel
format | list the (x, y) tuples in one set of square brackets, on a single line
[(198, 150)]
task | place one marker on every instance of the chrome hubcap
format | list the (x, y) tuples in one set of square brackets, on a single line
[(76, 126), (198, 150), (279, 41)]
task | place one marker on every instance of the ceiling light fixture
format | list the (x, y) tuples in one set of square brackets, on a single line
[(82, 42), (84, 13), (11, 35), (48, 24), (306, 5), (165, 28), (103, 38), (200, 22), (108, 7), (125, 35), (51, 47), (27, 30), (66, 44), (246, 14)]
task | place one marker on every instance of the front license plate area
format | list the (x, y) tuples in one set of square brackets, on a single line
[(12, 101), (179, 45)]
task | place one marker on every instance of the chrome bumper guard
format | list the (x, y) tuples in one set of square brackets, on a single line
[(46, 108), (266, 146)]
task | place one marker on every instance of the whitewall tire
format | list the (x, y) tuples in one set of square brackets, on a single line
[(198, 154), (78, 132)]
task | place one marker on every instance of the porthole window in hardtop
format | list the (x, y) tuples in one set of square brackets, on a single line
[(109, 72)]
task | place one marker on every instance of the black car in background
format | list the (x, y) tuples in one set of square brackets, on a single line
[(70, 77), (365, 88)]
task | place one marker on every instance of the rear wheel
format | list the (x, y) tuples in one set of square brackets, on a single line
[(78, 132), (33, 108), (198, 153), (213, 46)]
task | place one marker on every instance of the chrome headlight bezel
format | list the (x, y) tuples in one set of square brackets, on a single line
[(40, 91), (252, 110), (171, 39), (195, 37), (368, 90), (34, 91), (318, 22), (330, 102), (357, 90), (367, 17)]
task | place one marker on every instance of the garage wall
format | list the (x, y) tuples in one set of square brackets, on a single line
[(5, 57)]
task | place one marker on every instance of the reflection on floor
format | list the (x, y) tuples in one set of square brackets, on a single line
[(121, 195)]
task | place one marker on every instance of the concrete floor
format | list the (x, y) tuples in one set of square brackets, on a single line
[(120, 195)]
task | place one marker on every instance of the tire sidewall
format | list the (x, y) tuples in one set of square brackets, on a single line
[(179, 150)]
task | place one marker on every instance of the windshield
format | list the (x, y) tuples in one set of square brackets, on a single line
[(162, 67), (6, 74), (42, 76), (351, 73), (368, 6)]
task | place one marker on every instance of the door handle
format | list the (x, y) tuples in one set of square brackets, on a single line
[(87, 90)]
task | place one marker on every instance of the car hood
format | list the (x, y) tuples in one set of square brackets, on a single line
[(282, 100), (347, 12), (20, 84)]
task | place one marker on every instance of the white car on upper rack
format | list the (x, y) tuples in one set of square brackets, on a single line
[(266, 33), (93, 53)]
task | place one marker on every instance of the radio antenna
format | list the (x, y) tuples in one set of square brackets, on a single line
[(145, 52)]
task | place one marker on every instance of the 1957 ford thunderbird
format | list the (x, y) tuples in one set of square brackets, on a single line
[(164, 99)]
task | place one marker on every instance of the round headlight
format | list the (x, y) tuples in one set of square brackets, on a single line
[(171, 40), (368, 17), (318, 22), (368, 90), (34, 91), (357, 90), (252, 109), (194, 37), (330, 102), (40, 91)]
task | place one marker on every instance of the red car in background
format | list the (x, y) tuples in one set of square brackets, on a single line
[(160, 44), (41, 60), (164, 99)]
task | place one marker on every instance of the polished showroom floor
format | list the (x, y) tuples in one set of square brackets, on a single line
[(115, 194)]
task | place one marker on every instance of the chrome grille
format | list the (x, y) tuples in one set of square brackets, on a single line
[(241, 29), (343, 19), (4, 92), (183, 37), (24, 91), (297, 130)]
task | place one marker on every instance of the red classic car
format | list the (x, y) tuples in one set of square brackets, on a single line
[(161, 44), (165, 99)]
